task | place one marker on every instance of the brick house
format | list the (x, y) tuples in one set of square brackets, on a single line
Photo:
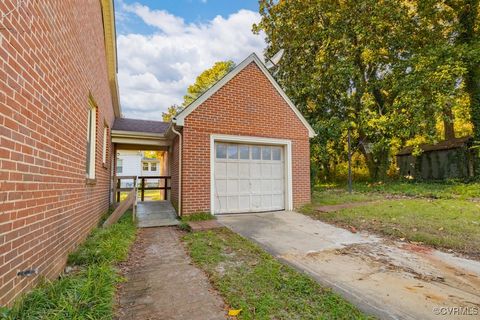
[(58, 101), (242, 146)]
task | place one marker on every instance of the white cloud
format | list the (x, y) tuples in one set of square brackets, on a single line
[(155, 69)]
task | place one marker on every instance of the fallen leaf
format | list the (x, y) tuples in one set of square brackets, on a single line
[(353, 229), (440, 229), (234, 312)]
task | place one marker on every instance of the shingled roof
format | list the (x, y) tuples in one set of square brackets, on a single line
[(442, 145), (137, 125)]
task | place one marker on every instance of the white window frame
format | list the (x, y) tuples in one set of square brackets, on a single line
[(104, 147), (148, 166), (151, 166), (117, 166), (287, 155), (91, 140)]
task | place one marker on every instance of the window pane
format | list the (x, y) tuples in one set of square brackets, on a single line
[(221, 151), (232, 151), (153, 167), (145, 166), (244, 152), (256, 153), (276, 154), (266, 153), (119, 165)]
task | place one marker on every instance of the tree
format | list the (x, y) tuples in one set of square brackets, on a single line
[(361, 65), (202, 83)]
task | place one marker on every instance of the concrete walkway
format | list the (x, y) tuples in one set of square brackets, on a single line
[(156, 214), (163, 284), (391, 280)]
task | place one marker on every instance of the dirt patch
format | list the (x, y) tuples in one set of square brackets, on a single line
[(338, 207)]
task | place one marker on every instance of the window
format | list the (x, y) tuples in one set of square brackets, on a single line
[(244, 152), (232, 151), (153, 166), (221, 151), (91, 140), (276, 153), (145, 166), (105, 141), (119, 166), (256, 153), (266, 153)]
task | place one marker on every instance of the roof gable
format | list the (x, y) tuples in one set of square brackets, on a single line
[(180, 117)]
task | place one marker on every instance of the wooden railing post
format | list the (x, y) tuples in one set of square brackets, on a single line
[(165, 185), (143, 189), (118, 188)]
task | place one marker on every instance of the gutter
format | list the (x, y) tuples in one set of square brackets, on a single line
[(179, 168)]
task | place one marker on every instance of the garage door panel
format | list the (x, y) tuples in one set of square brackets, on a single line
[(232, 170), (277, 201), (244, 203), (266, 170), (221, 187), (255, 170), (248, 178), (232, 187), (244, 186), (244, 170), (220, 170)]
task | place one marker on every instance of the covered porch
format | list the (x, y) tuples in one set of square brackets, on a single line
[(142, 162)]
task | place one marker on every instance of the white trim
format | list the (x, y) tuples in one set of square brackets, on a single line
[(180, 118), (253, 140)]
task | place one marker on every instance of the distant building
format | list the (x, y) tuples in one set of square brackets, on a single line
[(135, 163), (448, 159)]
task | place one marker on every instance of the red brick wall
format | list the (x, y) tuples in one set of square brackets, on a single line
[(52, 55), (174, 169), (247, 105)]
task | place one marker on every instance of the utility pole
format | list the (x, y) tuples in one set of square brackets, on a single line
[(349, 163)]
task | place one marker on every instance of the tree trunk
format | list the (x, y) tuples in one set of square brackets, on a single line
[(448, 123)]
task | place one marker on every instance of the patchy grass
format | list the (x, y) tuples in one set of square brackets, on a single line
[(250, 279), (440, 219), (88, 292), (199, 216), (435, 190)]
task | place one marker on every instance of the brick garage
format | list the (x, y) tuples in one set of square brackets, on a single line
[(53, 56), (246, 103)]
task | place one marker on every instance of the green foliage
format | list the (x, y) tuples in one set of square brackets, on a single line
[(105, 245), (198, 216), (387, 70), (250, 279), (88, 292), (202, 83)]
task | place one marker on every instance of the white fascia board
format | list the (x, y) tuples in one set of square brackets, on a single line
[(180, 118)]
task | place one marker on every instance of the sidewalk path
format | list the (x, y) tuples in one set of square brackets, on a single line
[(163, 284)]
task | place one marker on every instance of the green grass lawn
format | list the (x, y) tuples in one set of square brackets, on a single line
[(150, 195), (250, 279), (442, 216), (88, 292)]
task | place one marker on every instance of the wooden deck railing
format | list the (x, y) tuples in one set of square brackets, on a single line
[(142, 186)]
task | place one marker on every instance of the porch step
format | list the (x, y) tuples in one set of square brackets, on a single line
[(156, 214)]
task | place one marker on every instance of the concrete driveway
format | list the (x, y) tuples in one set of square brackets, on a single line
[(391, 280)]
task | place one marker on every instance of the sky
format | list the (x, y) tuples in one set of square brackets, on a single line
[(162, 46)]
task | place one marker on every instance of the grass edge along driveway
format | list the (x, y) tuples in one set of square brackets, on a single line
[(250, 279), (442, 221)]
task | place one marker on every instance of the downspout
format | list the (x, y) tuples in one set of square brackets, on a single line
[(179, 169)]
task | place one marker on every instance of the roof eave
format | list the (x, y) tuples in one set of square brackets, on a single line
[(108, 14)]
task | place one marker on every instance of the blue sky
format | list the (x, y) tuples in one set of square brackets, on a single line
[(164, 45)]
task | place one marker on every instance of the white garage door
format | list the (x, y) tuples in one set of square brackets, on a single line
[(248, 178)]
